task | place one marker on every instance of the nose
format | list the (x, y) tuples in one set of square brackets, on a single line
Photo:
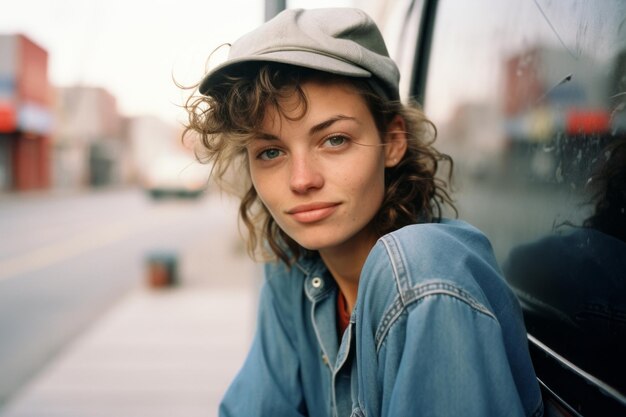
[(306, 174)]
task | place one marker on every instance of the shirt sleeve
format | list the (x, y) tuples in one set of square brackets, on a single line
[(445, 358), (269, 382), (439, 333)]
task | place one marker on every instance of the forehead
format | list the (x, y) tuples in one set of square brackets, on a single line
[(320, 98)]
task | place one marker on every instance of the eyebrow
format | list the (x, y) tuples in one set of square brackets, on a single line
[(265, 136), (327, 123), (313, 130)]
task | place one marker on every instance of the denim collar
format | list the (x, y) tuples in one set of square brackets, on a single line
[(318, 282)]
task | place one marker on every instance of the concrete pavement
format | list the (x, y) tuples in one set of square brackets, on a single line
[(166, 352)]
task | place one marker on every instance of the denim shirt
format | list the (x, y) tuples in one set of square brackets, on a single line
[(435, 332)]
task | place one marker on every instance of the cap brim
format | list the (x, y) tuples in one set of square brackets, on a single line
[(311, 60)]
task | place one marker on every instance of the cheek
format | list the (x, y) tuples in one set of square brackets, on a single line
[(267, 190), (259, 178), (368, 189), (258, 182)]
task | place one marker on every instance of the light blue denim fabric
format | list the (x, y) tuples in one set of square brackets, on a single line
[(435, 332)]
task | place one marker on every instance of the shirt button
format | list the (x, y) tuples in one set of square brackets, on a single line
[(317, 282)]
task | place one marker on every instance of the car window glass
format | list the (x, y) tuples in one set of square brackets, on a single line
[(529, 98)]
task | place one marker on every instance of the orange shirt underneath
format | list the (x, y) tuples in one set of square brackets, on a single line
[(343, 316)]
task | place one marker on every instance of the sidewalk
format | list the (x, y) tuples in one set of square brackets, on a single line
[(169, 352)]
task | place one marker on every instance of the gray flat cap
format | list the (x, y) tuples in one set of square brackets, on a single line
[(341, 41)]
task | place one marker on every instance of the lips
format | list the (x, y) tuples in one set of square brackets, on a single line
[(314, 212)]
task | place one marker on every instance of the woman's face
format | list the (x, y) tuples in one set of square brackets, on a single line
[(321, 176)]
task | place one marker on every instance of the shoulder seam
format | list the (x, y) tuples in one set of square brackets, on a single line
[(414, 295)]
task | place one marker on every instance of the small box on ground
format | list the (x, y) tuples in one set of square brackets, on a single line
[(162, 269)]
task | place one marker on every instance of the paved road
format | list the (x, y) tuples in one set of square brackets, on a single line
[(65, 259)]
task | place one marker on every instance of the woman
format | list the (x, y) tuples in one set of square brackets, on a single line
[(373, 305)]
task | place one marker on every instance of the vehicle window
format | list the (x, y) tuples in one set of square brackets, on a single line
[(529, 99)]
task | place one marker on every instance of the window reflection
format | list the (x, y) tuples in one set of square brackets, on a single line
[(571, 282), (531, 103)]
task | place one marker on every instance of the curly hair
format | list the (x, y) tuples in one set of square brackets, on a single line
[(229, 116)]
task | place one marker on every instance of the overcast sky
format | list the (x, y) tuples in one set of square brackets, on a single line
[(133, 48)]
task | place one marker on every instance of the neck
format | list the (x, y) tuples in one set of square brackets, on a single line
[(345, 264)]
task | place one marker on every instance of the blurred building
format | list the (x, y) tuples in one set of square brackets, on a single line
[(475, 131), (89, 140), (150, 139), (558, 113), (547, 90), (25, 114)]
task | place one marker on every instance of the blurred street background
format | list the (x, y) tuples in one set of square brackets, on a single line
[(125, 289), (75, 258)]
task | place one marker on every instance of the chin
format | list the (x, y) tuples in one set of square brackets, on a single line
[(316, 243), (329, 236), (316, 246)]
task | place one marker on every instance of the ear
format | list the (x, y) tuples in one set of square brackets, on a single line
[(395, 141)]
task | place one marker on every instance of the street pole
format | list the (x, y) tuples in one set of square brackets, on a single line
[(273, 7)]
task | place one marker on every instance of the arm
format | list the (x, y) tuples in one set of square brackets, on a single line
[(446, 332), (269, 382), (445, 358)]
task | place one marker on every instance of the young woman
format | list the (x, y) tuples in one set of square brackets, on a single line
[(373, 305)]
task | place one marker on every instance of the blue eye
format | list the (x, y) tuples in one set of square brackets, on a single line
[(335, 141), (269, 154)]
